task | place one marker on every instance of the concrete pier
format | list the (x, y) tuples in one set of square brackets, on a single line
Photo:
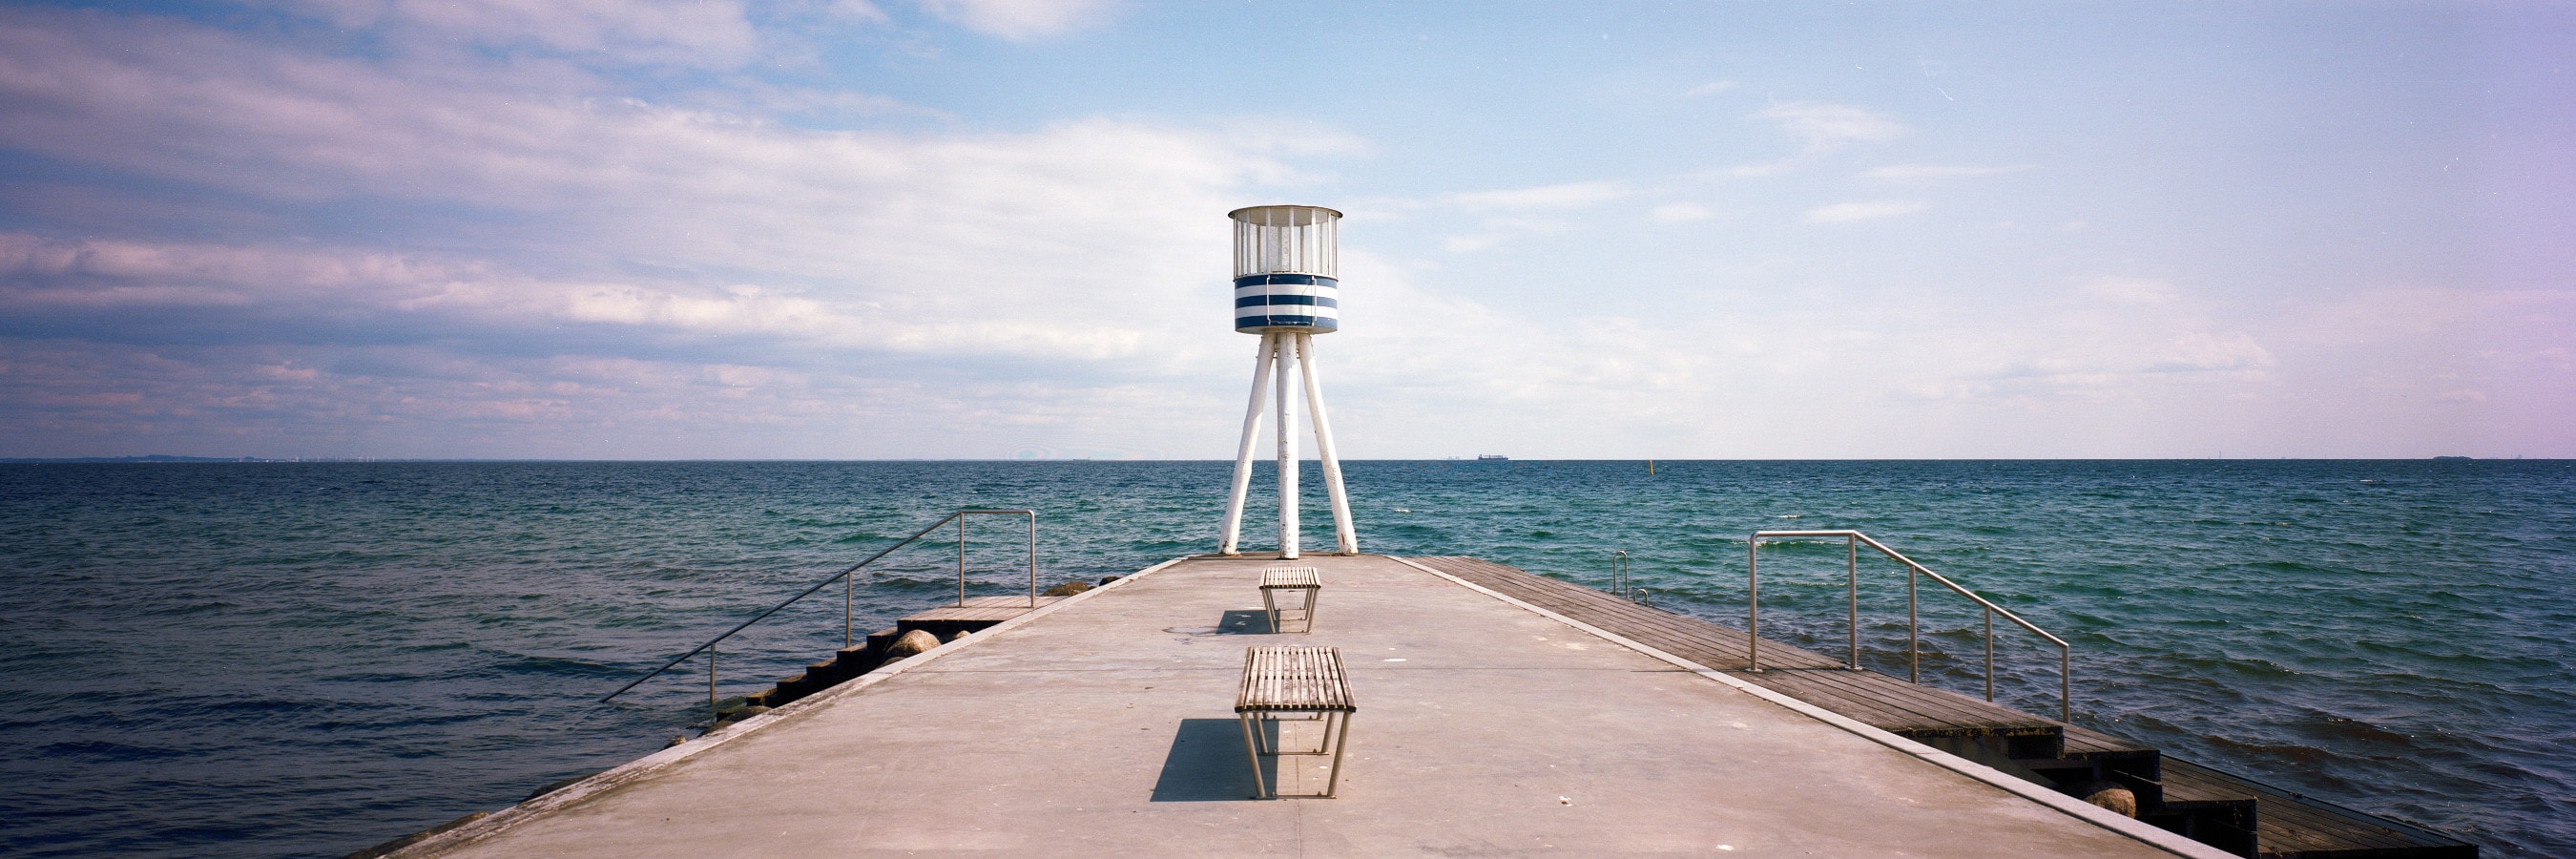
[(1102, 724)]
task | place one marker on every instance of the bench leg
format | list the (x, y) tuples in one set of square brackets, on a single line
[(1252, 752), (1312, 594), (1333, 777), (1270, 609), (1336, 735)]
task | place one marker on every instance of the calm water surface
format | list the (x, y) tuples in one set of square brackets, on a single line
[(304, 659)]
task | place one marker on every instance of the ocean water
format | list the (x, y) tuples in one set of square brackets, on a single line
[(262, 659)]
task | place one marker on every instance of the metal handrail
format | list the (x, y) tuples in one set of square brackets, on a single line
[(844, 578), (1852, 541), (1621, 585)]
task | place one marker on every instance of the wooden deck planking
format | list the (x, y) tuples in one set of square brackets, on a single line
[(2081, 740), (2189, 787), (2288, 826)]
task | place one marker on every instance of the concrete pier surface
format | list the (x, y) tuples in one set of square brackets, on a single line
[(1103, 724)]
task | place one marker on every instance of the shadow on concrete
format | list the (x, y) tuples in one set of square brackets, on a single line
[(1207, 764), (1244, 622)]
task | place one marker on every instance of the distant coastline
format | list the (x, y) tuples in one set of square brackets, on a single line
[(159, 457), (168, 458)]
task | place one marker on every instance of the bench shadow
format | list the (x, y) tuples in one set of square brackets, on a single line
[(1244, 622), (1207, 764)]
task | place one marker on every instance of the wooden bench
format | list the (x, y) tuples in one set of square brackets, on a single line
[(1305, 684), (1276, 579)]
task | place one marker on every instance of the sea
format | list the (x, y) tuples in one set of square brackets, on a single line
[(305, 659)]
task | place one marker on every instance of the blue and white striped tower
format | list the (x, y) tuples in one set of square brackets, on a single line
[(1287, 289)]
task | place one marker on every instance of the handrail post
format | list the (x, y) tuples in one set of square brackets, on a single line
[(711, 684), (1851, 570), (1753, 603), (961, 559), (2065, 686), (1033, 559), (846, 586), (1990, 655), (1913, 630)]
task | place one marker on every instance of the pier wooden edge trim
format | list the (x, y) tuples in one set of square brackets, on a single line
[(505, 819), (2105, 818)]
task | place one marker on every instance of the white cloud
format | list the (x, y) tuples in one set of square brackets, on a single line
[(1820, 129), (1571, 195), (2202, 351), (2129, 290), (1504, 215), (694, 252), (713, 33), (1471, 243), (1020, 20), (1821, 126), (1845, 213), (893, 241), (1920, 172), (1675, 213)]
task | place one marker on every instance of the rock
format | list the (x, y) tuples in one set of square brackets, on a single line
[(1067, 589), (555, 785), (2110, 796), (1107, 579), (912, 643), (961, 635), (415, 838), (727, 717), (676, 739)]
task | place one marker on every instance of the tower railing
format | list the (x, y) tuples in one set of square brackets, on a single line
[(847, 587), (1852, 541)]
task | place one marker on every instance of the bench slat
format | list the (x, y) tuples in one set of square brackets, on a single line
[(1292, 577), (1294, 678)]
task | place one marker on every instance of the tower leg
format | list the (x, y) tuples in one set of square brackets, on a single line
[(1345, 540), (1243, 452), (1287, 450)]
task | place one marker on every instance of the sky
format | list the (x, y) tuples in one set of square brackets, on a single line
[(861, 229)]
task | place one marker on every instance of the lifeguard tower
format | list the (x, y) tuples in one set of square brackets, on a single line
[(1287, 288)]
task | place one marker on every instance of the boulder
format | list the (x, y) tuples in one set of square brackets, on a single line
[(912, 643), (961, 635), (1068, 589), (2110, 796)]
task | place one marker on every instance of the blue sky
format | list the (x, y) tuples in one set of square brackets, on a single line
[(995, 228)]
